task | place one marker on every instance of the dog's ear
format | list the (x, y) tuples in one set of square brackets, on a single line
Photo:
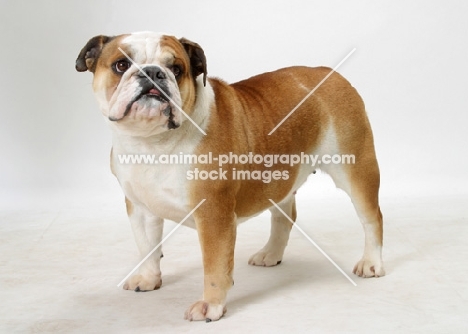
[(86, 60), (197, 58)]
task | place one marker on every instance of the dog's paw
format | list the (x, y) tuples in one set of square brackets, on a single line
[(265, 259), (143, 283), (202, 310), (367, 268)]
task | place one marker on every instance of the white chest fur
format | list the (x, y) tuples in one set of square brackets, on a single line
[(159, 187)]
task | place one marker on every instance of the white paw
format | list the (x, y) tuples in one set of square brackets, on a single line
[(143, 282), (367, 268), (202, 310), (265, 259)]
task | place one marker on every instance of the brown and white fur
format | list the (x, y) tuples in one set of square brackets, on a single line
[(236, 118)]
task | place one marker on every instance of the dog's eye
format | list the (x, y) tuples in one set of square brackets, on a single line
[(176, 70), (122, 65)]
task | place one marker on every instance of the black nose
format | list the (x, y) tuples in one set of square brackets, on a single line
[(153, 72)]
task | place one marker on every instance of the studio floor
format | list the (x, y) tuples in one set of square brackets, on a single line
[(62, 256)]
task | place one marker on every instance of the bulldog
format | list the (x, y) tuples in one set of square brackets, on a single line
[(154, 92)]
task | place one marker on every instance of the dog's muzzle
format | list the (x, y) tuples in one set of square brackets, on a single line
[(152, 86)]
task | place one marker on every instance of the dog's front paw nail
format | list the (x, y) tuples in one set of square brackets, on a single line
[(367, 268), (202, 310), (141, 283), (265, 259)]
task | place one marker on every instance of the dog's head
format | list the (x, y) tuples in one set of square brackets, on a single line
[(143, 81)]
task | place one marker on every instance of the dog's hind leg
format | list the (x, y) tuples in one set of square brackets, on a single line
[(272, 253), (361, 181), (364, 194)]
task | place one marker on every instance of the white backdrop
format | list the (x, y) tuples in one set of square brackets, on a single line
[(410, 68)]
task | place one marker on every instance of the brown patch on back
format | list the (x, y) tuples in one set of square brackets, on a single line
[(244, 114)]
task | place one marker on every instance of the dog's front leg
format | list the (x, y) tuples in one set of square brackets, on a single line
[(147, 230), (217, 234)]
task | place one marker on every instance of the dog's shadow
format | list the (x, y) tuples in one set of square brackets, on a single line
[(257, 284)]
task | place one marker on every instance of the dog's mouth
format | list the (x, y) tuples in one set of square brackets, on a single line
[(150, 102), (155, 93), (149, 93), (148, 96)]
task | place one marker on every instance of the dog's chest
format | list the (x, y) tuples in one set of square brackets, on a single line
[(157, 186)]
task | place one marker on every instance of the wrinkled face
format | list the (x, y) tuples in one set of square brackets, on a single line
[(142, 81)]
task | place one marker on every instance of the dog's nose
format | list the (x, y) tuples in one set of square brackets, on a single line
[(153, 72)]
